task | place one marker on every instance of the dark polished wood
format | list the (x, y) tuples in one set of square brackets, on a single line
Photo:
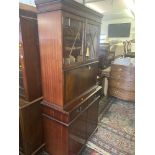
[(30, 120), (27, 8), (79, 80), (92, 117), (67, 131), (69, 113), (77, 134), (29, 55), (31, 132), (51, 53), (72, 7), (122, 82), (69, 39), (55, 137), (20, 138), (51, 56)]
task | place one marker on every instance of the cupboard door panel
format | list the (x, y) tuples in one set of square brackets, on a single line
[(92, 40), (79, 80), (77, 134), (73, 35), (92, 117)]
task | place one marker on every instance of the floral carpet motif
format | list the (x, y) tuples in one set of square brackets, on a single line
[(116, 131)]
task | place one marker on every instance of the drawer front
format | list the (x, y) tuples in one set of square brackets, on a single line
[(124, 69), (122, 94), (82, 107), (79, 109), (79, 80), (122, 73), (122, 84), (122, 76)]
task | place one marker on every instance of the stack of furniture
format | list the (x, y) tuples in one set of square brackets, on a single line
[(69, 39), (122, 82), (30, 91)]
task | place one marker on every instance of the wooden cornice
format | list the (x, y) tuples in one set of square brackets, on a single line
[(27, 7), (69, 6)]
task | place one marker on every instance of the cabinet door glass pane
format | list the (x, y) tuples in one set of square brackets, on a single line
[(21, 82), (92, 41), (73, 38)]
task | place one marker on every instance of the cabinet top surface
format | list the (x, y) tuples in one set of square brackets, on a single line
[(71, 3), (26, 7)]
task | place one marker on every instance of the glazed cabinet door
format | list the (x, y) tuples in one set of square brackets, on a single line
[(92, 35), (77, 134), (92, 117), (22, 73), (73, 34)]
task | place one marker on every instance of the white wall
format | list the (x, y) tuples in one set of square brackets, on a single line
[(104, 27)]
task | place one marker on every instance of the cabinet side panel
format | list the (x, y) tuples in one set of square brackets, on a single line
[(50, 37), (56, 137), (31, 127), (30, 54)]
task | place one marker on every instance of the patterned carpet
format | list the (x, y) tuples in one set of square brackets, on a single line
[(116, 131)]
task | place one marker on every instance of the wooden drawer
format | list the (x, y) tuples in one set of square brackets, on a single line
[(121, 68), (122, 94), (122, 76), (79, 109), (122, 84), (79, 99), (125, 73)]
